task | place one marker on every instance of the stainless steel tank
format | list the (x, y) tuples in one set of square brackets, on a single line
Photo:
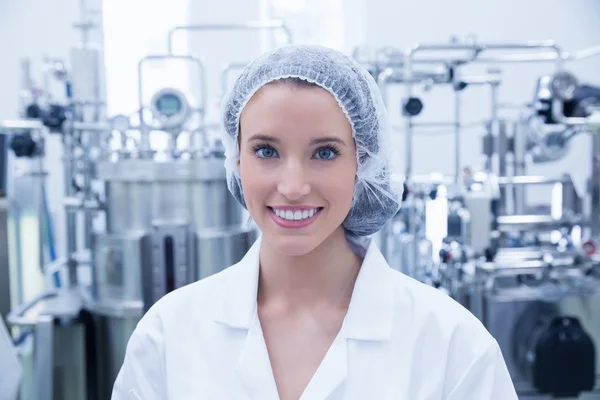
[(168, 224)]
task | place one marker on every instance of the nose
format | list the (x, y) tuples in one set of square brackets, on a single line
[(293, 184)]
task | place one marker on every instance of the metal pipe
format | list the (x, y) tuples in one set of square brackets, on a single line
[(494, 100), (511, 223), (558, 114), (520, 163), (566, 56), (595, 186), (477, 49), (16, 125), (530, 180), (88, 217), (55, 266), (503, 147), (585, 53), (41, 211), (409, 132), (91, 126), (533, 266), (144, 131), (481, 80), (17, 317), (252, 25), (457, 104), (71, 228)]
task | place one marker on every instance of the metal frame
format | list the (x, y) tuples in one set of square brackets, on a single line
[(475, 57)]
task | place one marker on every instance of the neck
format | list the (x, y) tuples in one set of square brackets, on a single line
[(325, 275)]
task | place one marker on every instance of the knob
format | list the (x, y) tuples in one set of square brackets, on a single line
[(55, 117), (412, 106), (23, 145)]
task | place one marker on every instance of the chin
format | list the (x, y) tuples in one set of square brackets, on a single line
[(293, 245)]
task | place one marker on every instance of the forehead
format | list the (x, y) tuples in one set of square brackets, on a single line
[(286, 109)]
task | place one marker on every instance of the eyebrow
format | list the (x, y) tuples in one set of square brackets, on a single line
[(272, 139), (265, 138), (327, 140)]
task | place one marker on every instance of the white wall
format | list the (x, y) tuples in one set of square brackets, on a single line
[(134, 29), (217, 48), (400, 24)]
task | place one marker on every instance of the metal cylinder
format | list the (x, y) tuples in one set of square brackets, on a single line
[(169, 224)]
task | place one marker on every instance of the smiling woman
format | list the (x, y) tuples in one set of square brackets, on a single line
[(313, 311), (297, 157)]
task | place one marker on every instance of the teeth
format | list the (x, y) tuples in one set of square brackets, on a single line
[(297, 215)]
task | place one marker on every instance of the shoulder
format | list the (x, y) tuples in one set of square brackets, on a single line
[(434, 316), (438, 334), (189, 304), (200, 296)]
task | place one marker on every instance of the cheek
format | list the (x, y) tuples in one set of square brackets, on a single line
[(252, 177), (338, 184)]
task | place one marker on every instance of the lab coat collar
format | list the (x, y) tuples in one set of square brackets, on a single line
[(369, 316), (237, 303), (371, 311)]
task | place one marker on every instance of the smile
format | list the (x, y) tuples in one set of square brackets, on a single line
[(294, 217)]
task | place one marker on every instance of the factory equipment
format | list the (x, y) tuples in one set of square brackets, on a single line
[(142, 220), (530, 275)]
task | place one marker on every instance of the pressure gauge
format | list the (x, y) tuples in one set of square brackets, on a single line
[(563, 85), (170, 108)]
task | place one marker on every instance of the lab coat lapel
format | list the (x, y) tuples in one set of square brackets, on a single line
[(369, 319), (331, 373), (237, 310), (371, 311), (237, 302), (254, 366)]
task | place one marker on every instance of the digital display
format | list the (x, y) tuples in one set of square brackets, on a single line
[(169, 105)]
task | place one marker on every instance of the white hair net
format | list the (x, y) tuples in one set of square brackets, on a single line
[(376, 199)]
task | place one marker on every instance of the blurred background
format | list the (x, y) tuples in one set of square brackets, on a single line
[(114, 192)]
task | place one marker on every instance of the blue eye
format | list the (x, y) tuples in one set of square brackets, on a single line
[(326, 153), (265, 152)]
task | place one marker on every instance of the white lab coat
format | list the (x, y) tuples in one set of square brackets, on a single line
[(400, 340)]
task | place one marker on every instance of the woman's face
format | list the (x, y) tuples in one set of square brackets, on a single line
[(297, 165)]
